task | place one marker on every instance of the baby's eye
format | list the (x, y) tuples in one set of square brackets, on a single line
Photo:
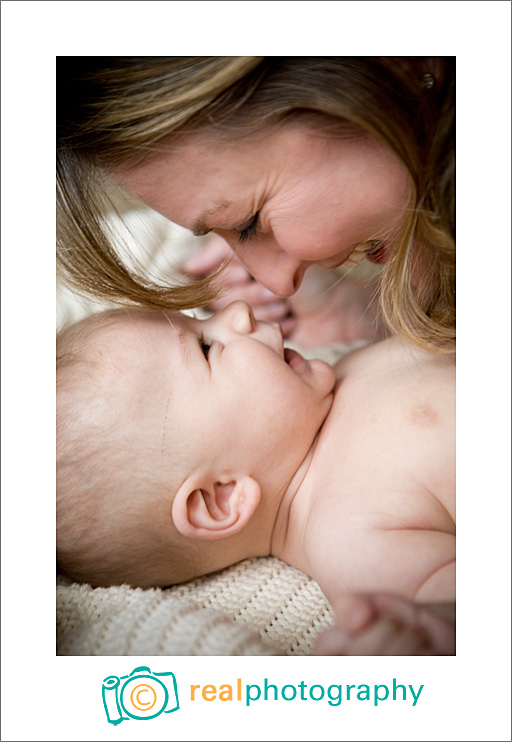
[(205, 347), (247, 231)]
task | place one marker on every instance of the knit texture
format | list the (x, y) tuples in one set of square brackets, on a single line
[(257, 607)]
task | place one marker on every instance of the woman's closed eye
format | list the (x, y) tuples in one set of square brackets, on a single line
[(205, 347), (248, 229)]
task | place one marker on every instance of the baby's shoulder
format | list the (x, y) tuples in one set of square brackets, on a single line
[(398, 375), (395, 405), (395, 355)]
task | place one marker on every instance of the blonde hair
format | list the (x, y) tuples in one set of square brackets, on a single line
[(113, 110), (104, 489)]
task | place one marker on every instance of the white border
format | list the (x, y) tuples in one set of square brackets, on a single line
[(466, 697)]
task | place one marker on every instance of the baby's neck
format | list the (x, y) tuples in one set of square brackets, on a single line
[(292, 517)]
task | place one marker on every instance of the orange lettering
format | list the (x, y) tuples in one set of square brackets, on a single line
[(226, 695), (193, 692), (212, 690)]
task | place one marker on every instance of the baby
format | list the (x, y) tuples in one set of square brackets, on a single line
[(185, 445)]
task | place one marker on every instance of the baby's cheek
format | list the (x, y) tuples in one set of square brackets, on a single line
[(306, 412)]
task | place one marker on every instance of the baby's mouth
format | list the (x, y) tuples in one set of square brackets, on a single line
[(294, 360)]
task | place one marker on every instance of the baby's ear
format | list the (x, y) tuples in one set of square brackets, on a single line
[(212, 510)]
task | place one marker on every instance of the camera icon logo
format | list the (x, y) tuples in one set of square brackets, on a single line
[(140, 695)]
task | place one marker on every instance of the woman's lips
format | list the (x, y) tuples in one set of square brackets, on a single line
[(373, 250), (340, 261), (377, 253)]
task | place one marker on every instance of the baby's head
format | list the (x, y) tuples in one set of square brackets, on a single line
[(176, 440)]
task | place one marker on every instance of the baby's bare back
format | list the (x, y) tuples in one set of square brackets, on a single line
[(386, 470)]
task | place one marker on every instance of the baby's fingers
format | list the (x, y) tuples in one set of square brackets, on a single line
[(209, 259), (257, 296), (436, 621)]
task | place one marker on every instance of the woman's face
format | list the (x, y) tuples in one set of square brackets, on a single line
[(283, 200)]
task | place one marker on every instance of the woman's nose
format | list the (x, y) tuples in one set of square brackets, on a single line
[(240, 317), (278, 271)]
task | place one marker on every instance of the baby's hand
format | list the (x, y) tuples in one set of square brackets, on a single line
[(327, 308), (387, 625), (332, 308), (238, 284)]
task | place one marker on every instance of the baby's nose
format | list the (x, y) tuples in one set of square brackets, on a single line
[(241, 317)]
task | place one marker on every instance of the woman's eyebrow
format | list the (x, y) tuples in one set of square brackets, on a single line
[(200, 227)]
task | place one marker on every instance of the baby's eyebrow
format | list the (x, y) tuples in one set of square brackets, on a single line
[(184, 339), (200, 227)]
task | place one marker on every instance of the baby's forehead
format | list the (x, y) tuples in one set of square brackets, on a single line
[(140, 327), (130, 358), (138, 344)]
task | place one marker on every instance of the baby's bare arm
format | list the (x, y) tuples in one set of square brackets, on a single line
[(416, 564), (422, 562), (441, 582)]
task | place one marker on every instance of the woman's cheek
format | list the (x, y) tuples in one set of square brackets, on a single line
[(306, 242)]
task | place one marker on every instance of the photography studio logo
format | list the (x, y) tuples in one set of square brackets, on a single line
[(140, 695)]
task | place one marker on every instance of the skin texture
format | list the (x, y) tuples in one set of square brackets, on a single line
[(376, 508), (209, 377), (186, 397), (315, 196)]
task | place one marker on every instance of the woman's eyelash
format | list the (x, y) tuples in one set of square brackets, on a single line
[(250, 229), (205, 347)]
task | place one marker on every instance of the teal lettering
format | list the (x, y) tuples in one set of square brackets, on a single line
[(414, 694), (321, 690), (248, 696), (366, 697), (294, 689), (335, 700), (396, 687), (376, 697), (267, 686)]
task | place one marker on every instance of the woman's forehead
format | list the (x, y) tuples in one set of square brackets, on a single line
[(203, 153)]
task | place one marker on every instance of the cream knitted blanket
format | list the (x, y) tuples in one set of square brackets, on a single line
[(257, 607)]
